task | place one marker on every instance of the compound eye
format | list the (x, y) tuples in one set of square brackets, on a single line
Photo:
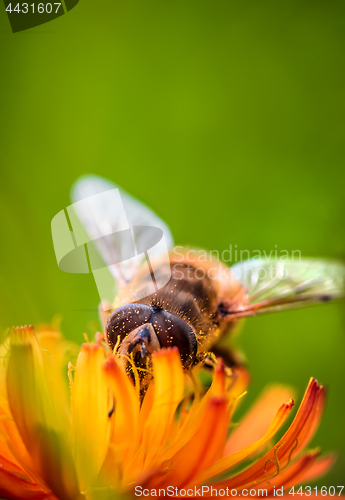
[(124, 320), (172, 331)]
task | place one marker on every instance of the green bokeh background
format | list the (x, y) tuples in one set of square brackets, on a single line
[(227, 118)]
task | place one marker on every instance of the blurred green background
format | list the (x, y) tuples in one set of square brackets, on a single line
[(227, 118)]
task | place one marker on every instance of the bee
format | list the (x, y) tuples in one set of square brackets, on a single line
[(177, 300)]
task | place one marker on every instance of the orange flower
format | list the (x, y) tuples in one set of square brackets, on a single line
[(98, 441)]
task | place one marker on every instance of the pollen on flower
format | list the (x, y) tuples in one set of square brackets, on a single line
[(290, 404)]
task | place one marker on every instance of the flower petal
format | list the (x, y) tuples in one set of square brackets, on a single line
[(168, 393), (192, 417), (291, 476), (124, 438), (293, 441), (234, 458), (24, 368), (223, 385), (17, 487), (258, 419), (56, 352), (204, 448), (317, 469), (12, 446), (38, 424), (90, 406)]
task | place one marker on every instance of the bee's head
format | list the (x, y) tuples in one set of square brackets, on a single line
[(139, 330)]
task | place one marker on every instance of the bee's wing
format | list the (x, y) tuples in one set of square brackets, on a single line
[(107, 215), (274, 285)]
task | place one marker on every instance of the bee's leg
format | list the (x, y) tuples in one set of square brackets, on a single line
[(207, 359), (224, 347), (230, 356)]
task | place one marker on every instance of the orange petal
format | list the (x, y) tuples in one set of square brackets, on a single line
[(293, 441), (222, 386), (258, 419), (233, 386), (15, 487), (234, 458), (90, 406), (12, 446), (146, 408), (317, 469), (291, 475), (124, 439), (203, 449), (183, 457), (10, 465), (33, 413), (168, 393), (240, 379), (217, 389)]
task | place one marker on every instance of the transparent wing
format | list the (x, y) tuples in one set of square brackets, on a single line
[(113, 220), (274, 285)]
